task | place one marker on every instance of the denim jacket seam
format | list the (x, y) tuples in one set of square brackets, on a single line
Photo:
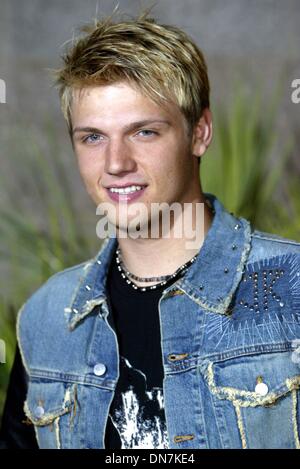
[(264, 236)]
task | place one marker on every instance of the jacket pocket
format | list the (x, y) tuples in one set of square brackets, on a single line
[(50, 406), (256, 400)]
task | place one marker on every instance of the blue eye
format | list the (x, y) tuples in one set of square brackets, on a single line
[(147, 133), (92, 138)]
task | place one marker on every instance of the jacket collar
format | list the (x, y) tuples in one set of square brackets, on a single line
[(213, 278), (210, 281)]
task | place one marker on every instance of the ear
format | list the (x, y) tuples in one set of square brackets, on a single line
[(202, 134)]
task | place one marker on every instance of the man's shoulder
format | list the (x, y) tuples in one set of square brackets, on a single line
[(266, 245), (43, 315), (69, 275), (65, 279), (274, 238), (56, 291)]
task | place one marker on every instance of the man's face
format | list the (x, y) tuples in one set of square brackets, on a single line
[(123, 139)]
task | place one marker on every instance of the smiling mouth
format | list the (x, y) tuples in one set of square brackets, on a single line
[(126, 190)]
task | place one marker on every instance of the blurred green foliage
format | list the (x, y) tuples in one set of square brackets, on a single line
[(246, 167)]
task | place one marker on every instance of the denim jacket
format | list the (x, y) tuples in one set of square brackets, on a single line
[(230, 328)]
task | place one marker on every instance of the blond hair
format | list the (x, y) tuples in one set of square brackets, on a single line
[(160, 60)]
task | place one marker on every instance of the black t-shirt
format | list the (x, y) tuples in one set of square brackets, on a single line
[(136, 416)]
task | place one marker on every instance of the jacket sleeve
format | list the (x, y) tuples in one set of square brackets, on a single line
[(15, 433)]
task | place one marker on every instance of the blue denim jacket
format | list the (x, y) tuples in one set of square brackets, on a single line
[(228, 332)]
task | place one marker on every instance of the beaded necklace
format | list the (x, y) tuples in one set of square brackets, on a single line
[(163, 279)]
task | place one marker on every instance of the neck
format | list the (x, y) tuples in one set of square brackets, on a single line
[(154, 257)]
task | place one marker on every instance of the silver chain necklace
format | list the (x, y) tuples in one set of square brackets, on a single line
[(163, 279)]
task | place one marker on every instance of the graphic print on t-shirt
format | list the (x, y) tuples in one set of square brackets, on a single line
[(137, 412)]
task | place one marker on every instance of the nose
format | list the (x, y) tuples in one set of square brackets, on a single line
[(119, 157)]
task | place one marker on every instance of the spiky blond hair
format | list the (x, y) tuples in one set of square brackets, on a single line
[(160, 60)]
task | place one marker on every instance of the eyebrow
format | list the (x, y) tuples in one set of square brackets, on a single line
[(127, 128)]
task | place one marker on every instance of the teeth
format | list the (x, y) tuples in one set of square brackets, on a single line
[(125, 190)]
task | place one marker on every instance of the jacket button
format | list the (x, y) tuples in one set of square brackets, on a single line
[(262, 389), (99, 369), (39, 412)]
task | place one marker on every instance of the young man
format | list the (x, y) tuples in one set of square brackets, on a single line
[(155, 343)]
